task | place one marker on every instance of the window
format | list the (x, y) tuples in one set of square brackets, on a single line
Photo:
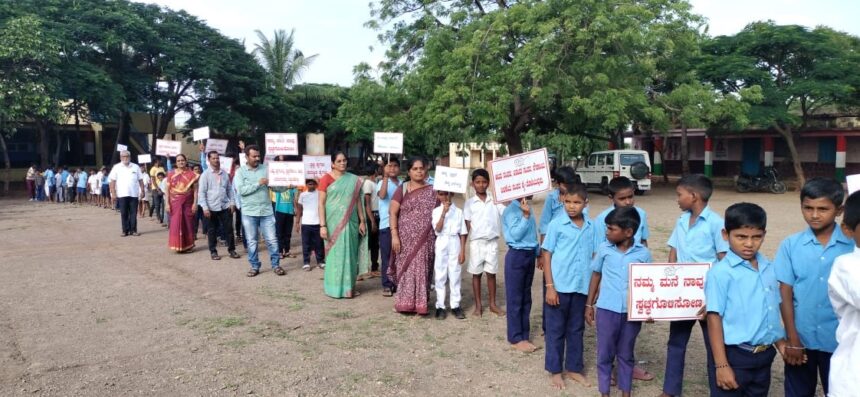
[(827, 150), (610, 159), (630, 159), (601, 159), (592, 160)]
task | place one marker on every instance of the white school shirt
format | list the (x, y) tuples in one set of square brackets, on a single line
[(485, 218), (454, 226), (310, 207), (70, 180), (844, 290), (127, 179)]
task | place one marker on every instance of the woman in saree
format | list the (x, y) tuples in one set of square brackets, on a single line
[(181, 203), (342, 220), (412, 239)]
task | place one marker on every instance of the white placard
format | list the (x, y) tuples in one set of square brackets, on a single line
[(167, 148), (218, 145), (666, 291), (242, 159), (226, 163), (286, 173), (200, 133), (316, 166), (120, 147), (281, 143), (853, 183), (520, 176), (451, 179), (388, 142), (144, 159)]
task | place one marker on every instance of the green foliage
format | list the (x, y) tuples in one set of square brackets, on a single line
[(284, 63)]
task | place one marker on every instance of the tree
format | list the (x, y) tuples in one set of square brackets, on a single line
[(278, 56), (800, 72), (28, 57)]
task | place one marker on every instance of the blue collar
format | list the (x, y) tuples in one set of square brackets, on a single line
[(735, 260), (808, 237), (586, 222)]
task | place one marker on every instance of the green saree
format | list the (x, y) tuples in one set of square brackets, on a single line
[(342, 204)]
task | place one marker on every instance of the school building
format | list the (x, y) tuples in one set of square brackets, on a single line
[(471, 155), (823, 151)]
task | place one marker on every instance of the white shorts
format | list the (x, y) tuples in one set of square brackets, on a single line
[(483, 256)]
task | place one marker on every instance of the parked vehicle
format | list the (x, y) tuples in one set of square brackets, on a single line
[(602, 166), (766, 180)]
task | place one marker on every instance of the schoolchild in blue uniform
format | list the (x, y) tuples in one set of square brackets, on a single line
[(622, 194), (520, 231), (803, 263), (697, 238), (607, 299), (742, 294), (568, 247)]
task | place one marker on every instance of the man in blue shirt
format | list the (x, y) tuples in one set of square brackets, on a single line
[(803, 263), (742, 296), (50, 183), (520, 230), (385, 190)]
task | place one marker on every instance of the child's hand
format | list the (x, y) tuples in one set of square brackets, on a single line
[(446, 206), (551, 296), (589, 315), (524, 206), (649, 321), (702, 314), (726, 378), (462, 257)]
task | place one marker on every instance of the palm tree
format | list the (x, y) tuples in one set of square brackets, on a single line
[(284, 63)]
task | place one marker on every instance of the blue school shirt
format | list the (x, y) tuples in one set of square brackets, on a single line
[(49, 178), (803, 263), (703, 241), (641, 233), (385, 204), (571, 247), (746, 299), (613, 265), (553, 208), (520, 233), (65, 176), (82, 180)]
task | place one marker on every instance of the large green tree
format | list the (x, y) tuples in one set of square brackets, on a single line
[(800, 71)]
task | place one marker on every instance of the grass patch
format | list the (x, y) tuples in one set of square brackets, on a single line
[(237, 343), (101, 320), (341, 314), (216, 324), (289, 296)]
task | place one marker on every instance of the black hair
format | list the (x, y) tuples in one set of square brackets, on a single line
[(852, 211), (160, 174), (370, 168), (625, 218), (249, 148), (209, 155), (336, 153), (819, 187), (745, 215), (577, 189), (565, 175), (480, 172), (414, 159), (183, 156), (618, 184), (699, 184), (307, 181), (393, 159)]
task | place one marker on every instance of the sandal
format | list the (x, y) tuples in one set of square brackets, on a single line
[(252, 273), (306, 267), (279, 271)]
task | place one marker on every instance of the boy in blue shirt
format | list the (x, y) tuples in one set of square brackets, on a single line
[(622, 194), (742, 296), (616, 336), (697, 238), (520, 231), (803, 260), (567, 251)]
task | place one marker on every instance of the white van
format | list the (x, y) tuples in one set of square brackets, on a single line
[(601, 167)]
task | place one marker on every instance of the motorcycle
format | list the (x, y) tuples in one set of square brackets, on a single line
[(766, 180)]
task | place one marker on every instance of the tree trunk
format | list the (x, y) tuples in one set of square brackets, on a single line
[(44, 145), (7, 165), (795, 157), (685, 152), (121, 135)]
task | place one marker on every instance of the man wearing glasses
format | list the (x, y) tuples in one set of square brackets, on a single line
[(126, 187)]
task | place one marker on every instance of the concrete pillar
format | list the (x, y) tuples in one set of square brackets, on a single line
[(97, 130), (841, 147), (658, 158), (768, 151), (709, 157), (315, 144)]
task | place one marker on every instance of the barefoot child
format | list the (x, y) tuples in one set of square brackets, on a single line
[(607, 299), (568, 247), (802, 261), (520, 231), (450, 228), (484, 225), (742, 296), (697, 238), (844, 291)]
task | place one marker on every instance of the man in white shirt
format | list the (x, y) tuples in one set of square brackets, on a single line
[(126, 186)]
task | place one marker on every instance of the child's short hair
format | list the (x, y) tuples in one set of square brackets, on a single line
[(393, 160), (745, 215), (565, 175), (618, 184), (576, 189), (852, 211), (480, 172), (699, 184), (819, 187), (624, 217), (160, 174), (309, 181)]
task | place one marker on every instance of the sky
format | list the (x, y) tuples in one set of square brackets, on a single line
[(334, 29)]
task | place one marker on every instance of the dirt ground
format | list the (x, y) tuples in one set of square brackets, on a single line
[(86, 312)]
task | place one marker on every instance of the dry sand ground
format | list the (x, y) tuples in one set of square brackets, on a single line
[(85, 312)]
